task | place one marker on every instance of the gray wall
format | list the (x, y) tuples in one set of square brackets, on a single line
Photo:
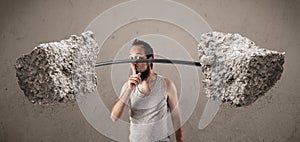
[(273, 24)]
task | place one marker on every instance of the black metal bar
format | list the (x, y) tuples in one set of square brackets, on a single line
[(165, 61)]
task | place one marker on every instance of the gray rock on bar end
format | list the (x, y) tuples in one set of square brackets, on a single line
[(54, 72), (235, 69)]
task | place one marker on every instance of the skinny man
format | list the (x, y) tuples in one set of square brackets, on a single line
[(149, 97)]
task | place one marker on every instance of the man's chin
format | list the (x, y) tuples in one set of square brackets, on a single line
[(145, 75)]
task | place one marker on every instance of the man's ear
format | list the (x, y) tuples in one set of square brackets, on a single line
[(150, 63), (151, 57)]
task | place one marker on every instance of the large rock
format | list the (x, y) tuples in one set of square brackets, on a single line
[(56, 71), (235, 69)]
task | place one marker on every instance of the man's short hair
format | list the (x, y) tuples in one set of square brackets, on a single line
[(148, 49)]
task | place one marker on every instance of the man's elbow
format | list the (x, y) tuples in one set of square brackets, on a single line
[(113, 117)]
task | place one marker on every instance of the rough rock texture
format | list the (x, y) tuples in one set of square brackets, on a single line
[(56, 71), (235, 69)]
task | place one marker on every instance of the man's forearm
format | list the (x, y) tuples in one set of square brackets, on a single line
[(176, 120), (118, 108), (179, 135)]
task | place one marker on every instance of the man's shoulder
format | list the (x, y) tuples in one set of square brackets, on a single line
[(167, 81), (170, 87)]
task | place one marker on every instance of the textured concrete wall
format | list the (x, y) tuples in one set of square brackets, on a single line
[(273, 24)]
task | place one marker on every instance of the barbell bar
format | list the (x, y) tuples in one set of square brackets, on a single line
[(164, 61)]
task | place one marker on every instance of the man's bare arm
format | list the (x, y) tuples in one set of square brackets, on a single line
[(119, 106), (174, 107)]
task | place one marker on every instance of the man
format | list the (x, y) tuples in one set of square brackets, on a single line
[(149, 97)]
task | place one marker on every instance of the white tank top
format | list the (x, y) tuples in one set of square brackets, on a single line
[(148, 114)]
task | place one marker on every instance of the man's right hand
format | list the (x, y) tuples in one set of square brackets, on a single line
[(134, 79)]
